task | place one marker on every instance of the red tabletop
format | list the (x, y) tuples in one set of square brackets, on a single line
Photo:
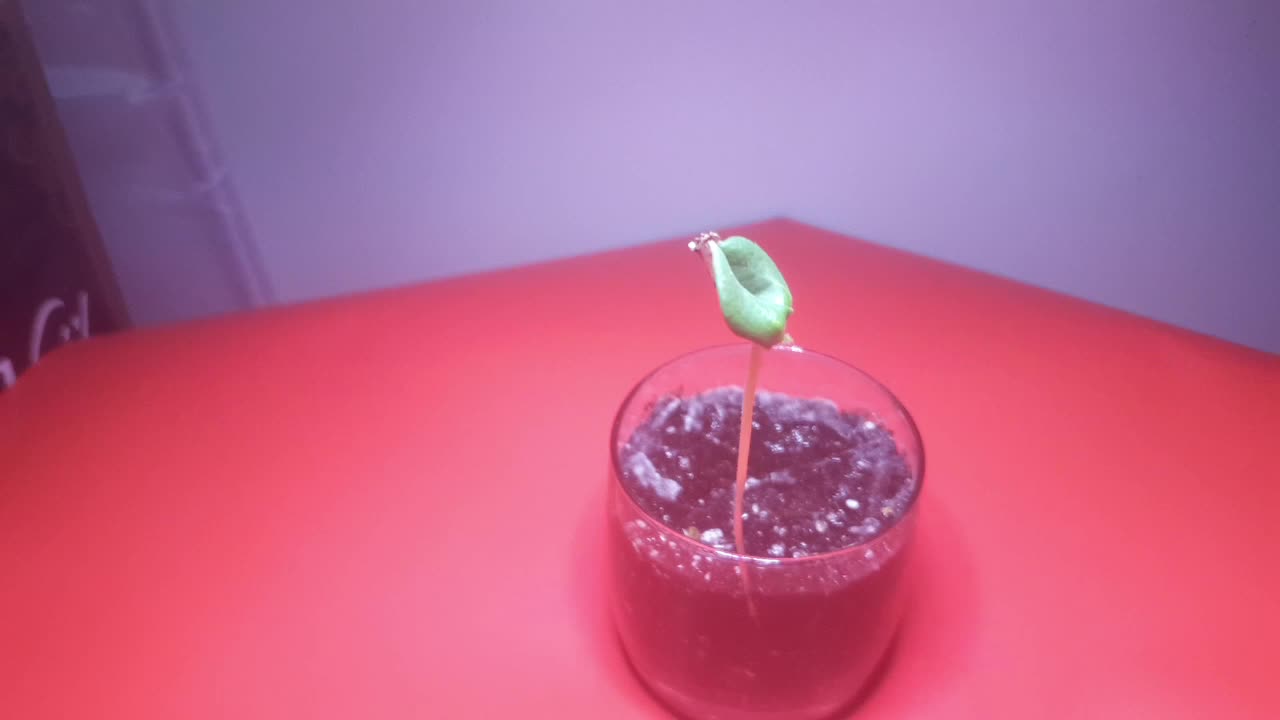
[(390, 505)]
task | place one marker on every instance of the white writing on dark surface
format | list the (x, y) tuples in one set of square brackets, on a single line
[(74, 326)]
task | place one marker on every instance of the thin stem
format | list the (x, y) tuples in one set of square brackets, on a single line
[(740, 488), (744, 445)]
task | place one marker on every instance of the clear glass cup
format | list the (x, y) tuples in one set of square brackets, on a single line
[(815, 627)]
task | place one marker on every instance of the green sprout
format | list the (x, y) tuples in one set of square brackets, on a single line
[(756, 304), (754, 298)]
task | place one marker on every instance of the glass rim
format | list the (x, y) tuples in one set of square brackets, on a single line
[(907, 514)]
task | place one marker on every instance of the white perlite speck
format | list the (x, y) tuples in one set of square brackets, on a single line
[(665, 411), (714, 536), (852, 504), (648, 476)]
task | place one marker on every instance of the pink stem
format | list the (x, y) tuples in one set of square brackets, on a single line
[(744, 448)]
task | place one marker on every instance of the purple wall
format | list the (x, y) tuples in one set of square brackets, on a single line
[(1127, 152)]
